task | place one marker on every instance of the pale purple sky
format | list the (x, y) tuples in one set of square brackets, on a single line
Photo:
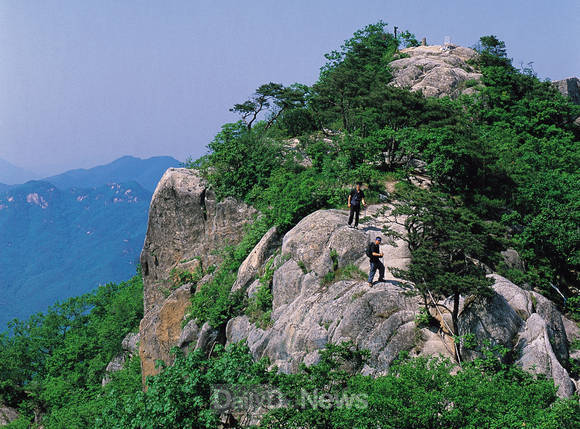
[(85, 82)]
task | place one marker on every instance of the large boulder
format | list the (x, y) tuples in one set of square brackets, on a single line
[(129, 347), (569, 87), (489, 319), (7, 415), (536, 354), (311, 242), (554, 325), (524, 322), (187, 227), (517, 298), (437, 71), (310, 311)]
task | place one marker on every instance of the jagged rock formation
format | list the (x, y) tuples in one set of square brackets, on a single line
[(312, 307), (437, 71), (256, 259), (186, 226), (129, 346), (569, 87), (525, 322), (308, 313)]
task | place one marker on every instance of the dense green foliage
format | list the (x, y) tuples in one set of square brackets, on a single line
[(53, 363), (527, 126), (416, 393)]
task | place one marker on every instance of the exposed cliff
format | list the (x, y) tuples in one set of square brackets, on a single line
[(569, 87), (312, 307), (187, 227)]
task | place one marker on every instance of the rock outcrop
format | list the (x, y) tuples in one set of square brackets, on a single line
[(308, 311), (569, 87), (320, 292), (185, 223), (7, 415), (129, 347), (524, 322), (187, 226), (437, 71)]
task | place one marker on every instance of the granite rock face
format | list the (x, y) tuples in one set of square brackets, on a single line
[(320, 293), (308, 311), (437, 71), (569, 87), (536, 353), (7, 414), (186, 225), (160, 329), (524, 322)]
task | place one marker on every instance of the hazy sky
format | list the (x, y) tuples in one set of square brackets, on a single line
[(85, 82)]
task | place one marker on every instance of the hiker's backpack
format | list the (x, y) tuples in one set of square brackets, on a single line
[(369, 250)]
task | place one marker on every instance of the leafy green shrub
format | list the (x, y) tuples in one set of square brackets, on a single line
[(348, 272), (259, 307), (417, 393), (573, 307), (181, 277), (180, 396), (423, 318), (56, 361)]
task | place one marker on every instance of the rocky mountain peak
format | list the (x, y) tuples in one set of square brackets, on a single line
[(437, 70)]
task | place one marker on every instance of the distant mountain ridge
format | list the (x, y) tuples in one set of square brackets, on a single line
[(146, 172), (64, 235), (11, 174)]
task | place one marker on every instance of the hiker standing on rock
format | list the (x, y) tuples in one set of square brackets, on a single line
[(374, 253), (355, 199)]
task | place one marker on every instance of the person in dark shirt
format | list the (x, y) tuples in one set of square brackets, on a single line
[(374, 253), (355, 199)]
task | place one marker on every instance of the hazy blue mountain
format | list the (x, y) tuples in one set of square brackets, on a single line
[(64, 235), (60, 243), (146, 172), (11, 174)]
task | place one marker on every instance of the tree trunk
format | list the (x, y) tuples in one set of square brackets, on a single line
[(454, 317)]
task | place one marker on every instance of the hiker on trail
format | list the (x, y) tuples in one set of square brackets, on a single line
[(355, 198), (374, 253)]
